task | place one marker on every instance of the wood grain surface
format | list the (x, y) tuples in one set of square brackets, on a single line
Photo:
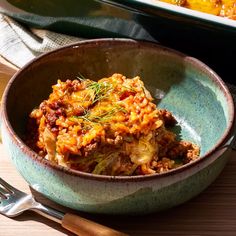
[(213, 212)]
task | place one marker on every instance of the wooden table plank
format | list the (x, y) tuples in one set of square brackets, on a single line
[(213, 212), (6, 71)]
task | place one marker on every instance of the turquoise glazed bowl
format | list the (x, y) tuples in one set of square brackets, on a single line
[(195, 95)]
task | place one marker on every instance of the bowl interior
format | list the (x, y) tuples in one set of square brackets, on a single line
[(190, 89)]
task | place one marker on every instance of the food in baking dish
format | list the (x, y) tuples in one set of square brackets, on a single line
[(224, 8)]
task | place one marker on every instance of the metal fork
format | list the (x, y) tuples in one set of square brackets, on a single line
[(13, 202)]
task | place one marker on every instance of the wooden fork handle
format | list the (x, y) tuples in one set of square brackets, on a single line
[(84, 227)]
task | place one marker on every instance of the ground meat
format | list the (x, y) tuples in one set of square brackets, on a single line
[(55, 105), (89, 149), (168, 118), (51, 118), (183, 149), (115, 141), (52, 111), (73, 85)]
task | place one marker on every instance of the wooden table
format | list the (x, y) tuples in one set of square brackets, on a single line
[(213, 212)]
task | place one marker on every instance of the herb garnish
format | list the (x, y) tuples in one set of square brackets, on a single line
[(105, 116), (100, 90)]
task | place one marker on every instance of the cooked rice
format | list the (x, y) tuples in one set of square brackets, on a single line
[(109, 127)]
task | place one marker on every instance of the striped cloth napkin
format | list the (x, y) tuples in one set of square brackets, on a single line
[(19, 44)]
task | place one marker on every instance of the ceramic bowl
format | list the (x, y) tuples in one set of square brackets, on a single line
[(195, 95)]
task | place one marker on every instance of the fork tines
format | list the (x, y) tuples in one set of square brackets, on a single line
[(3, 193), (7, 186)]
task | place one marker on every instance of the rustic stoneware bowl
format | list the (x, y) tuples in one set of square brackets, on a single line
[(196, 96)]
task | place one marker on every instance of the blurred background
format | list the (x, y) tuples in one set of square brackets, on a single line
[(210, 42)]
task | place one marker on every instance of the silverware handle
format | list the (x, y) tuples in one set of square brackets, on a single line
[(84, 227), (75, 223), (48, 212)]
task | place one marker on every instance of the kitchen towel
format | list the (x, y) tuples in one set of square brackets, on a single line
[(19, 44)]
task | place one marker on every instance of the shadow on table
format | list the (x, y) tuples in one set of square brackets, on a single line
[(30, 215), (208, 214)]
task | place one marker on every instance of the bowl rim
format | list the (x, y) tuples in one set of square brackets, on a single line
[(227, 135)]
